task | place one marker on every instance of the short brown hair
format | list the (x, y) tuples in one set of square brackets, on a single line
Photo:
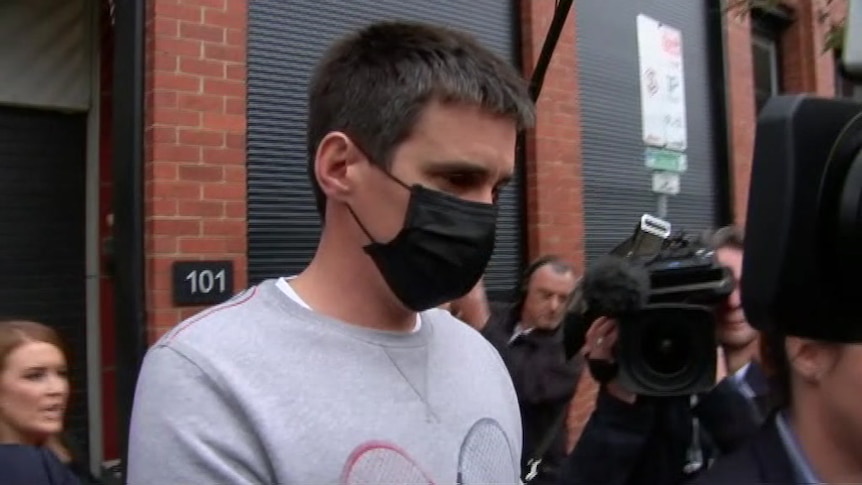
[(373, 84), (15, 333), (727, 237)]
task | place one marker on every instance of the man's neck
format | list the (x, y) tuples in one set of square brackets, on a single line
[(342, 282), (832, 461), (739, 357)]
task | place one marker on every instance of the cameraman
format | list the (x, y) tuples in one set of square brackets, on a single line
[(631, 439)]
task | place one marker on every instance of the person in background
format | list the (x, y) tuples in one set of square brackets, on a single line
[(34, 391), (816, 434), (528, 335), (740, 342), (632, 440)]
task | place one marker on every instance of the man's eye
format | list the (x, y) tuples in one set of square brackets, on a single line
[(460, 180)]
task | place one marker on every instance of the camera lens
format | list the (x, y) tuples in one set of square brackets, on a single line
[(666, 348)]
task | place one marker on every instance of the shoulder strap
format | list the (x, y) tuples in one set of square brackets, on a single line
[(539, 453)]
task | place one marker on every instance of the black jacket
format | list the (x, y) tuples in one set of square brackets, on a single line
[(30, 465), (762, 460), (544, 381), (646, 442)]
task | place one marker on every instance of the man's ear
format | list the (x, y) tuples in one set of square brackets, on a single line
[(810, 358), (335, 154)]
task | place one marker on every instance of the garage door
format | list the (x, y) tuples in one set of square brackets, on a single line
[(617, 186), (42, 197), (286, 38)]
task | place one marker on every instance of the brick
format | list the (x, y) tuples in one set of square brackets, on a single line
[(180, 47), (224, 53), (224, 227), (204, 32), (179, 190), (162, 134), (236, 210), (201, 102), (226, 191), (224, 156), (235, 106), (224, 88), (166, 27), (215, 4), (164, 207), (201, 138), (164, 61), (174, 117), (235, 37), (162, 171), (231, 19), (171, 10), (203, 246), (176, 82), (218, 121), (175, 227), (201, 209), (235, 72), (162, 99), (235, 174), (235, 140), (176, 153), (202, 67), (201, 173)]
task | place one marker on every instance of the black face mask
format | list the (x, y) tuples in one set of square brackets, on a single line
[(440, 253)]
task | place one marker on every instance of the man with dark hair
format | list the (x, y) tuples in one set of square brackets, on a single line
[(738, 339), (347, 373), (528, 335)]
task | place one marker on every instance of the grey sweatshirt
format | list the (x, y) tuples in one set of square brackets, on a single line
[(263, 390)]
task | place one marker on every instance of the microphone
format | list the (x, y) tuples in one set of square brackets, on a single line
[(612, 287)]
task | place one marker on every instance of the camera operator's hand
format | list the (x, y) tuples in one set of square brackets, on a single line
[(601, 339)]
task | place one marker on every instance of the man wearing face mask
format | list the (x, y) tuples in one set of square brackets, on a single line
[(347, 373)]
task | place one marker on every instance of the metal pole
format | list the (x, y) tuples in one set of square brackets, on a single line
[(662, 206)]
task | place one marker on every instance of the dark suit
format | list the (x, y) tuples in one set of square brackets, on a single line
[(646, 442), (29, 465), (544, 381), (762, 460)]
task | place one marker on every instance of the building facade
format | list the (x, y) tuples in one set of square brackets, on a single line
[(169, 132)]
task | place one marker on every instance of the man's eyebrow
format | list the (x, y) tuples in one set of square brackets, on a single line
[(464, 167)]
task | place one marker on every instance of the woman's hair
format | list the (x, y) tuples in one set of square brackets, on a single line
[(14, 333), (776, 365)]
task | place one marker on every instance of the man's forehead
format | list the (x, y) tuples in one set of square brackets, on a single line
[(553, 275)]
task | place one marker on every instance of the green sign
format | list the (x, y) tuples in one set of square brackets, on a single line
[(666, 160)]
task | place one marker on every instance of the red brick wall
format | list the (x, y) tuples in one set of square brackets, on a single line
[(805, 68), (195, 125), (555, 222)]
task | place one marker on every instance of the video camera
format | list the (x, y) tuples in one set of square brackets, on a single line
[(803, 263), (662, 289)]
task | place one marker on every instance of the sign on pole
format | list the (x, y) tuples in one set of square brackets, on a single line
[(662, 85)]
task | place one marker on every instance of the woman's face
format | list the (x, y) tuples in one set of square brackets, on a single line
[(33, 393)]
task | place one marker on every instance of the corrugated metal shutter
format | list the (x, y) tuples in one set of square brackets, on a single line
[(617, 186), (42, 221), (286, 38)]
